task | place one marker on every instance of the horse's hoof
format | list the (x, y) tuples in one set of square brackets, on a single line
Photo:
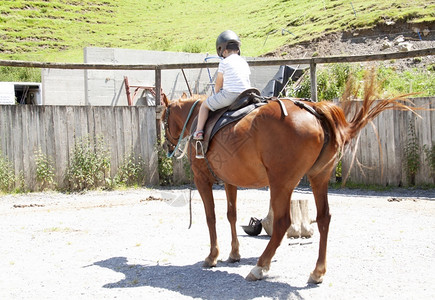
[(208, 264), (315, 279), (232, 260), (255, 274), (251, 277)]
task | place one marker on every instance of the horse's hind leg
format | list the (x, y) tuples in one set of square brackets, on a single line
[(231, 192), (280, 202), (319, 184)]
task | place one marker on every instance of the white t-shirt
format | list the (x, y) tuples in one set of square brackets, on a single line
[(236, 73)]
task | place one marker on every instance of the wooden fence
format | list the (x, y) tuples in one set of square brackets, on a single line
[(54, 129), (25, 129)]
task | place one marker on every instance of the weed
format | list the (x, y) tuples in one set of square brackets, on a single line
[(7, 174), (44, 170), (352, 186), (338, 171), (89, 164), (187, 169), (412, 155), (165, 165), (131, 172), (430, 158)]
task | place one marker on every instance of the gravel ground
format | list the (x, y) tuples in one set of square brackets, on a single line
[(124, 245)]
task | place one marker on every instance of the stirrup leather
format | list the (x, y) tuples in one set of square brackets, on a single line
[(199, 150)]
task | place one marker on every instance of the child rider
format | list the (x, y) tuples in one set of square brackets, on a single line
[(232, 79)]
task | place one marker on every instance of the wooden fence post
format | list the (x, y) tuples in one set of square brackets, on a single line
[(157, 99), (158, 84), (313, 78)]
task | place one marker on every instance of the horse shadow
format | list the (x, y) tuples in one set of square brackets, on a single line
[(197, 282)]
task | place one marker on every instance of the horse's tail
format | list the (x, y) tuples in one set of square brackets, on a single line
[(342, 131)]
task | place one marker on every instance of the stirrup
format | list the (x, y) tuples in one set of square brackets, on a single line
[(199, 150)]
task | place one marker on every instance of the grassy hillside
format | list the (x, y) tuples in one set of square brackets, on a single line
[(57, 30)]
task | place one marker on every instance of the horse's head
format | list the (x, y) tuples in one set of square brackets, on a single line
[(174, 118)]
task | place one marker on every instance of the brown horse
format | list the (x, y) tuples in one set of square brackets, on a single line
[(267, 148)]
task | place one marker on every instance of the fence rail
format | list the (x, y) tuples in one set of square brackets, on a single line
[(200, 65)]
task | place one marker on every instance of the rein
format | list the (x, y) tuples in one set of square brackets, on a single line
[(170, 155)]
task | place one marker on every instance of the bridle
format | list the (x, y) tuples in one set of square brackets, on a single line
[(168, 136)]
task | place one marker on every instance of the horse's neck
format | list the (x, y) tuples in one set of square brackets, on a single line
[(186, 108)]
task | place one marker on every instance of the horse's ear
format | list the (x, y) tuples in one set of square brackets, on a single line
[(165, 100), (184, 96)]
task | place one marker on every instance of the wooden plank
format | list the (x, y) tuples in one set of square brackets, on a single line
[(25, 116), (119, 135), (69, 135), (425, 140), (397, 130), (142, 140), (49, 137), (135, 134), (151, 141), (61, 143), (110, 123), (404, 127), (3, 128), (364, 151), (389, 151), (5, 121), (127, 131), (432, 130), (33, 145), (17, 139)]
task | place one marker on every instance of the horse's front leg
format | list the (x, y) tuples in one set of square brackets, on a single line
[(206, 192), (231, 192)]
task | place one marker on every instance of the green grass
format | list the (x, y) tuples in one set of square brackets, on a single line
[(58, 30)]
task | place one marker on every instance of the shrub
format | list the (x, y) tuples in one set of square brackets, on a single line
[(165, 165), (89, 164), (7, 174), (20, 74), (331, 81), (412, 155), (430, 158), (44, 170), (131, 172)]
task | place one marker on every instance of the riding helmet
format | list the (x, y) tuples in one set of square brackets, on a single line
[(225, 38)]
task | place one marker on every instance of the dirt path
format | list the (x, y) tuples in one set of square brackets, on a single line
[(124, 245)]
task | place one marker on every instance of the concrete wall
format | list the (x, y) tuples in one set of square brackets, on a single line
[(63, 87), (106, 87)]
